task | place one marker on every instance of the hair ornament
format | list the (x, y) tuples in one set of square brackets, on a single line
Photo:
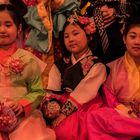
[(86, 22)]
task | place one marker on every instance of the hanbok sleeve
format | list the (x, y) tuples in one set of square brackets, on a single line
[(111, 89), (34, 86), (54, 81), (88, 88), (110, 81)]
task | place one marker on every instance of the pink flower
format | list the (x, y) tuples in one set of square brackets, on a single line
[(8, 120), (86, 64), (84, 20), (89, 25), (16, 66), (30, 2), (90, 29)]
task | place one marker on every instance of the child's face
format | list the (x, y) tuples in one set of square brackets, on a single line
[(4, 1), (132, 41), (75, 40), (8, 30)]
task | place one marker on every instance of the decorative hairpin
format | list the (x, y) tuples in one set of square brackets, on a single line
[(88, 23), (73, 18)]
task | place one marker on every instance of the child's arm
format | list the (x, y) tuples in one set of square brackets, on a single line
[(86, 90), (34, 87)]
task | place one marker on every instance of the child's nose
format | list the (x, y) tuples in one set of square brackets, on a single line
[(2, 29), (137, 40), (70, 38)]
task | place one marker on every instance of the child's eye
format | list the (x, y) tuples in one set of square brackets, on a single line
[(76, 33), (132, 36), (66, 36), (8, 25)]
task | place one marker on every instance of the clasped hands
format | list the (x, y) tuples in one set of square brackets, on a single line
[(15, 106), (107, 13), (58, 120)]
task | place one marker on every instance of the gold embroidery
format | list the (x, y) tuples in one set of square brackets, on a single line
[(68, 108)]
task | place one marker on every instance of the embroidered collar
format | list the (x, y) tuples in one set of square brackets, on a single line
[(133, 77), (87, 53)]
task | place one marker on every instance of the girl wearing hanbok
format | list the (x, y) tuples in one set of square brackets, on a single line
[(77, 77), (20, 84), (120, 120)]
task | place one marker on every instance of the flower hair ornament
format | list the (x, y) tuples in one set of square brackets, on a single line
[(86, 22)]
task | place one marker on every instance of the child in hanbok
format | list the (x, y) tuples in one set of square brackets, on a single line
[(77, 77), (121, 119), (20, 84)]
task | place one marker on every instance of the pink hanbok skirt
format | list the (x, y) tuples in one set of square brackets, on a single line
[(74, 127), (107, 124), (99, 120)]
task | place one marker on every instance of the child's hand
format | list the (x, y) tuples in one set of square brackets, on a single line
[(108, 14), (17, 108), (58, 120)]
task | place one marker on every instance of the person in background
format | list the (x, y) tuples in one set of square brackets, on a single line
[(110, 16), (78, 76), (20, 84), (121, 119)]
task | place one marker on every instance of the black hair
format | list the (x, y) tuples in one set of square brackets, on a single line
[(131, 22), (13, 11), (23, 10)]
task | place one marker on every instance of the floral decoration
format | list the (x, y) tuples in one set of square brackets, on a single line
[(135, 107), (51, 109), (8, 120), (88, 23), (87, 64), (16, 66), (13, 65), (30, 2), (84, 20)]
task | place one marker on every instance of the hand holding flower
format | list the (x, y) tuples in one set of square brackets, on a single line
[(17, 108), (8, 120), (58, 120)]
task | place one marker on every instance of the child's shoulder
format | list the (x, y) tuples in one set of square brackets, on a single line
[(28, 57), (24, 52), (24, 55), (116, 63)]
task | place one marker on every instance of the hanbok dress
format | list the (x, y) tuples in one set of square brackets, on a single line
[(20, 81), (119, 118), (82, 78), (45, 23)]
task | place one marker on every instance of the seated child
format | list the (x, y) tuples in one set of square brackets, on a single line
[(77, 77)]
